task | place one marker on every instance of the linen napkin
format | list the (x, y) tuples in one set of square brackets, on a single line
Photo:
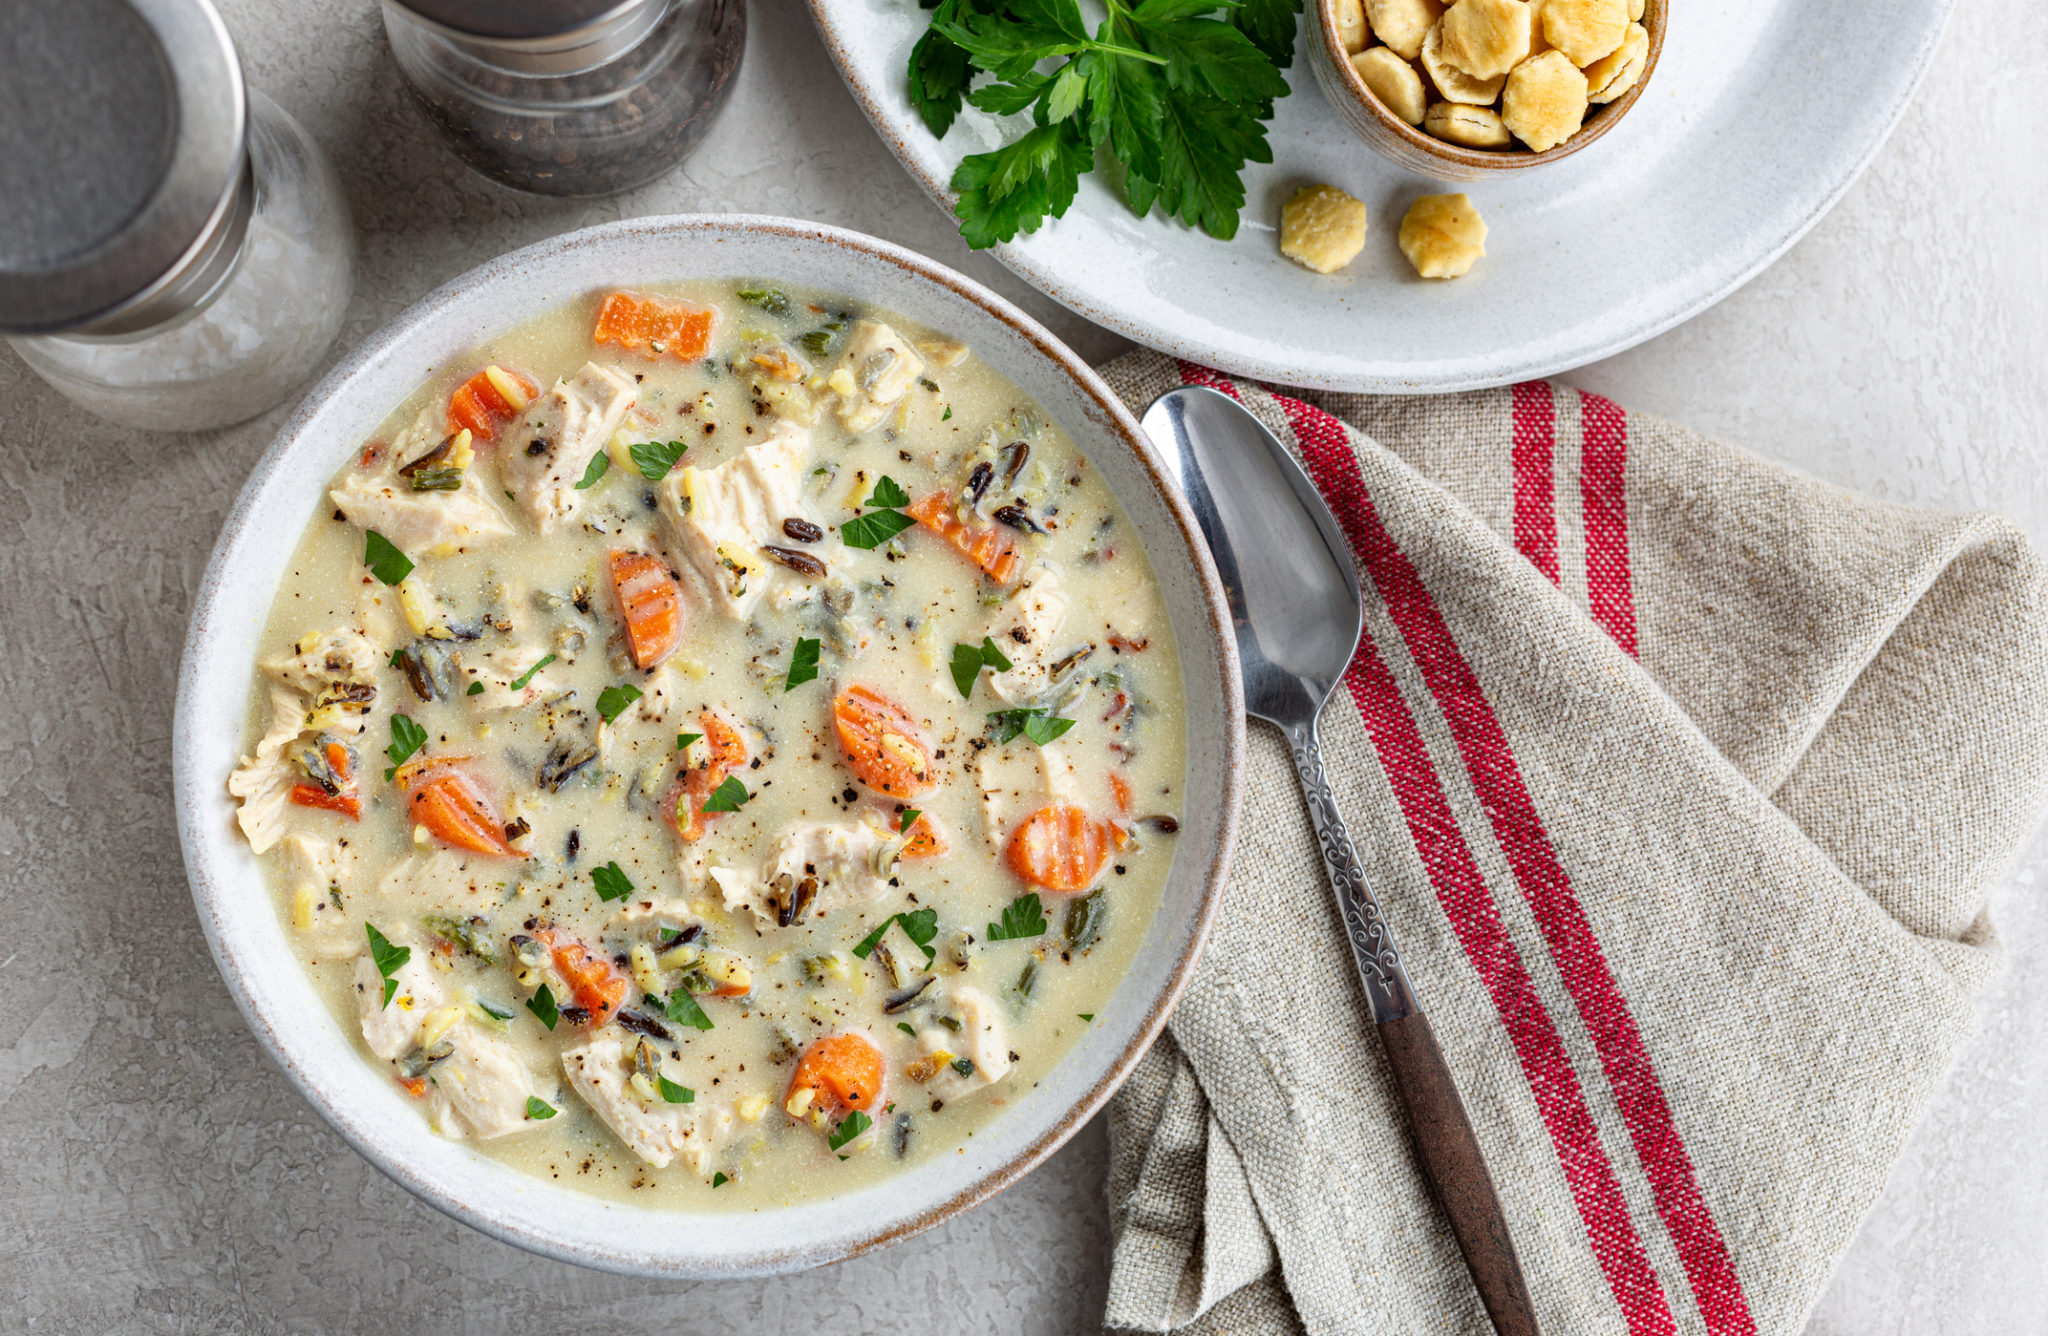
[(1682, 777)]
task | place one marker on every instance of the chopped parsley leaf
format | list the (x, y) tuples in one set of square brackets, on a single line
[(910, 816), (1085, 1015), (389, 959), (407, 738), (1036, 722), (519, 682), (655, 458), (1024, 917), (612, 702), (849, 1127), (803, 663), (968, 661), (595, 470), (683, 1010), (673, 1093), (905, 1027), (542, 1004), (385, 561), (683, 740), (729, 796), (878, 526), (719, 1180), (475, 689), (536, 1107), (947, 415), (611, 883), (921, 926)]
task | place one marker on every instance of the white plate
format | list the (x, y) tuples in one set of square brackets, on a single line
[(1758, 117)]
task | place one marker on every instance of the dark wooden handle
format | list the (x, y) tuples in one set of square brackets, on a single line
[(1456, 1172)]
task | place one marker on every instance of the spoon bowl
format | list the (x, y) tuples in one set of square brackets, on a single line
[(1285, 566)]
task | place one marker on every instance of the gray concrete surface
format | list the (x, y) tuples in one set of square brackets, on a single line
[(157, 1176)]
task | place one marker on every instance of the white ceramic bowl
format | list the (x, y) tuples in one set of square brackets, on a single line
[(237, 910)]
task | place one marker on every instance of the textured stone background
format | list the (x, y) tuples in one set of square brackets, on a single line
[(157, 1176)]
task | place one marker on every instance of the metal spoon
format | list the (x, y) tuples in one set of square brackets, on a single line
[(1294, 600)]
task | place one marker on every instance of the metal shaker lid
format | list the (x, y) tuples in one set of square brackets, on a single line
[(517, 20), (122, 128)]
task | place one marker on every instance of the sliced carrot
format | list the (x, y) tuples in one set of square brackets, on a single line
[(593, 984), (728, 753), (651, 603), (988, 546), (345, 799), (843, 1071), (925, 840), (416, 1086), (643, 325), (441, 796), (881, 743), (479, 404), (1121, 789), (1059, 847)]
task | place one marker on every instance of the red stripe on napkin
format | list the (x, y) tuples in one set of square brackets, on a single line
[(1468, 904), (1603, 496), (1461, 889), (1497, 779), (1535, 442)]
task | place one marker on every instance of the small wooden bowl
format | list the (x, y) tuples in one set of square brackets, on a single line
[(1414, 148)]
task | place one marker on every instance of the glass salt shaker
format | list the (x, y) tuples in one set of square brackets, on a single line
[(175, 252), (569, 97)]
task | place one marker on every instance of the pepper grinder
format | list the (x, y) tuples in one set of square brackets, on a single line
[(174, 249), (569, 97)]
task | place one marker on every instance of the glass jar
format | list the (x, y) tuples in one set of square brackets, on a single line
[(174, 250), (262, 330), (575, 97)]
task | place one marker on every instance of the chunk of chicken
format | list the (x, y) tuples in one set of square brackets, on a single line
[(599, 1071), (264, 781), (322, 659), (1018, 779), (447, 881), (480, 1090), (877, 368), (1024, 629), (313, 868), (723, 517), (543, 458), (981, 1045), (839, 859), (393, 1030), (419, 523), (498, 669)]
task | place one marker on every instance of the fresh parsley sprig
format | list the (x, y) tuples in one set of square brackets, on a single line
[(611, 882), (729, 796), (1176, 91), (407, 738), (921, 926)]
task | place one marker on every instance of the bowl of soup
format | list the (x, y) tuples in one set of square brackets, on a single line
[(708, 745)]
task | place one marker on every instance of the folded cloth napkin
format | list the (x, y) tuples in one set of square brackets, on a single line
[(1682, 778)]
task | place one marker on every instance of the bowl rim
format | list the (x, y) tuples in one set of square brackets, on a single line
[(192, 792), (1597, 123)]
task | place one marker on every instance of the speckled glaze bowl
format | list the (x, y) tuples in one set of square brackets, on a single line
[(238, 910), (1413, 148)]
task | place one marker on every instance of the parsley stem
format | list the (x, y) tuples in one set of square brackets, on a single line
[(1133, 52)]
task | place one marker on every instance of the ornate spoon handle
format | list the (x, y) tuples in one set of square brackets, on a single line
[(1372, 942), (1451, 1160)]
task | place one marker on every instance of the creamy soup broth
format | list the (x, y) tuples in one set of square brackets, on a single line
[(461, 802)]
